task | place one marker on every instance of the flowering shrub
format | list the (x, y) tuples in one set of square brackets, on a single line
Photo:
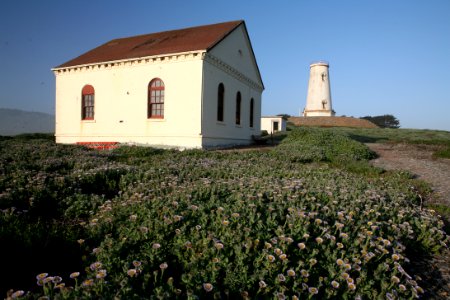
[(315, 144), (240, 224)]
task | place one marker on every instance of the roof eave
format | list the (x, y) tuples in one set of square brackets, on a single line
[(62, 67)]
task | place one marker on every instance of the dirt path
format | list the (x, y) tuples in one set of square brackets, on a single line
[(418, 160)]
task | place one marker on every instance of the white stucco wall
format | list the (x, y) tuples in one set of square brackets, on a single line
[(235, 50), (121, 103), (231, 63), (267, 124), (228, 132)]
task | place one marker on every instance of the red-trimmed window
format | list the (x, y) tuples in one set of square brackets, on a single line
[(156, 99), (87, 102), (238, 108), (220, 102), (252, 107)]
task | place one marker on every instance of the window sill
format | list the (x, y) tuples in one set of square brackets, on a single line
[(238, 126), (156, 120), (88, 121), (221, 123)]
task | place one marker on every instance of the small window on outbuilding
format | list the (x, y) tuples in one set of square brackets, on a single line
[(275, 126), (156, 90), (87, 102), (220, 102)]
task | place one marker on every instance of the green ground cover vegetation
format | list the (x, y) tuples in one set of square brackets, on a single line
[(309, 218), (438, 138)]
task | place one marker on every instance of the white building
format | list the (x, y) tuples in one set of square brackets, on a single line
[(318, 100), (273, 124), (190, 88)]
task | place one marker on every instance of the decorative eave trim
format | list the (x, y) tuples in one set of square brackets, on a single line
[(215, 61), (132, 61)]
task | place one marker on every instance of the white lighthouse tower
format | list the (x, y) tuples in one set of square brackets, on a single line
[(318, 100)]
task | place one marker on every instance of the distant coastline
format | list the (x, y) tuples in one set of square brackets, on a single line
[(15, 121)]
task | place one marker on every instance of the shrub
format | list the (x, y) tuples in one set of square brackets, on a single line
[(444, 153), (316, 144)]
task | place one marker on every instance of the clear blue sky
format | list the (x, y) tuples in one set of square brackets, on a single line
[(386, 56)]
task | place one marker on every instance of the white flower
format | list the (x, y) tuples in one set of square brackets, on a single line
[(218, 246), (17, 294), (163, 266), (95, 266), (41, 276), (208, 287), (136, 263), (101, 274), (262, 284)]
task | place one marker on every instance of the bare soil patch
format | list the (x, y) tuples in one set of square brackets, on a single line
[(332, 122), (418, 160)]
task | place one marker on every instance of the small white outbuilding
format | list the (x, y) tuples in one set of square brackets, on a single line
[(273, 124), (197, 87)]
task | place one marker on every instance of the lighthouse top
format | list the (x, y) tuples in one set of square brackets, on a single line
[(319, 63)]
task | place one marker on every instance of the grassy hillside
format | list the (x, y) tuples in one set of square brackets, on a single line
[(412, 136), (438, 138)]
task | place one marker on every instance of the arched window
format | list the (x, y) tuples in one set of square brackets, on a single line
[(220, 102), (251, 112), (238, 108), (156, 99), (87, 102)]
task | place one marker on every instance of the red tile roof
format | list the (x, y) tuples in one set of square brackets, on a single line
[(167, 42)]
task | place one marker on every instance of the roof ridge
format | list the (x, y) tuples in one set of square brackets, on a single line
[(194, 38), (177, 29)]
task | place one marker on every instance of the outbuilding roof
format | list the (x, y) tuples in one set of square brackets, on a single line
[(167, 42)]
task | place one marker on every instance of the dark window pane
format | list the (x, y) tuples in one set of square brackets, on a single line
[(238, 108), (220, 102), (251, 112)]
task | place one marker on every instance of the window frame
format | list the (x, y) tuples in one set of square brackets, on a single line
[(156, 98), (87, 103)]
